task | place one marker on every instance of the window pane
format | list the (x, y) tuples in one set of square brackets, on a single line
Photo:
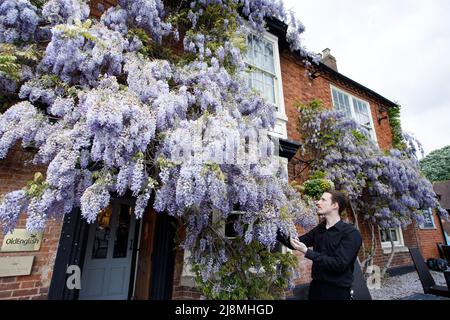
[(385, 236), (250, 48), (249, 78), (265, 84), (346, 103), (362, 119), (269, 90), (362, 112), (335, 98), (123, 229), (257, 81), (258, 53), (394, 235), (342, 102), (268, 57), (341, 99), (428, 219), (102, 234), (338, 100)]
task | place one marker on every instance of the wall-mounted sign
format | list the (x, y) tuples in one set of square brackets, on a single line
[(21, 240), (16, 266)]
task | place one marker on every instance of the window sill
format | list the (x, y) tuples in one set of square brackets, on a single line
[(397, 249), (277, 134), (282, 117), (187, 281)]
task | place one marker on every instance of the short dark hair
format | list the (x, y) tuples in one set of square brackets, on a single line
[(339, 198)]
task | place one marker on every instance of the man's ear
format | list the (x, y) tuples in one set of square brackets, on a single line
[(335, 205)]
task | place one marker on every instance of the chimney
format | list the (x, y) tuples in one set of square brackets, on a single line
[(329, 59)]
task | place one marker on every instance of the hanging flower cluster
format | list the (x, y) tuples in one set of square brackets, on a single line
[(68, 11), (110, 115), (79, 54), (18, 21), (387, 186)]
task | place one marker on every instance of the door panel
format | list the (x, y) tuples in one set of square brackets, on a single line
[(95, 281), (144, 264), (107, 266)]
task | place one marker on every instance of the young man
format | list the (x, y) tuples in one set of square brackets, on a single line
[(336, 245)]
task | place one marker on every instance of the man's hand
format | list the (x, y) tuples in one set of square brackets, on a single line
[(300, 246)]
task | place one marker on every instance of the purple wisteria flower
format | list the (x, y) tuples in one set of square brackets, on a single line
[(11, 206), (65, 11), (387, 186), (18, 21)]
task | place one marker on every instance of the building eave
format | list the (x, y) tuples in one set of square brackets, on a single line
[(288, 148)]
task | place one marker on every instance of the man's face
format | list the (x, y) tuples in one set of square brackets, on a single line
[(325, 206)]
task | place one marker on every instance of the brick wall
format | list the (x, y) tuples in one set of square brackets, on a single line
[(95, 6), (13, 176), (181, 291), (428, 239)]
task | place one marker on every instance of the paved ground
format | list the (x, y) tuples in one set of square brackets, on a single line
[(393, 288)]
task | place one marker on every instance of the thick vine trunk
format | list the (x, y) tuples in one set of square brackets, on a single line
[(369, 260), (355, 215), (391, 257)]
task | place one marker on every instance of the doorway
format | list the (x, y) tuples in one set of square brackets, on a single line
[(109, 254), (109, 268)]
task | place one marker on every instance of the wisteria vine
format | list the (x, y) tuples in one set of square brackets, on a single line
[(110, 115), (387, 187)]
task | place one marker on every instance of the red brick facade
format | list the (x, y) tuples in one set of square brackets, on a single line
[(428, 239), (14, 175)]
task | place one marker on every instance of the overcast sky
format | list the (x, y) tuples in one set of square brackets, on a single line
[(398, 48)]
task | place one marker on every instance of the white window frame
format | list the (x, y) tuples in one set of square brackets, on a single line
[(423, 227), (280, 128), (352, 109), (187, 278), (284, 162), (399, 243)]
